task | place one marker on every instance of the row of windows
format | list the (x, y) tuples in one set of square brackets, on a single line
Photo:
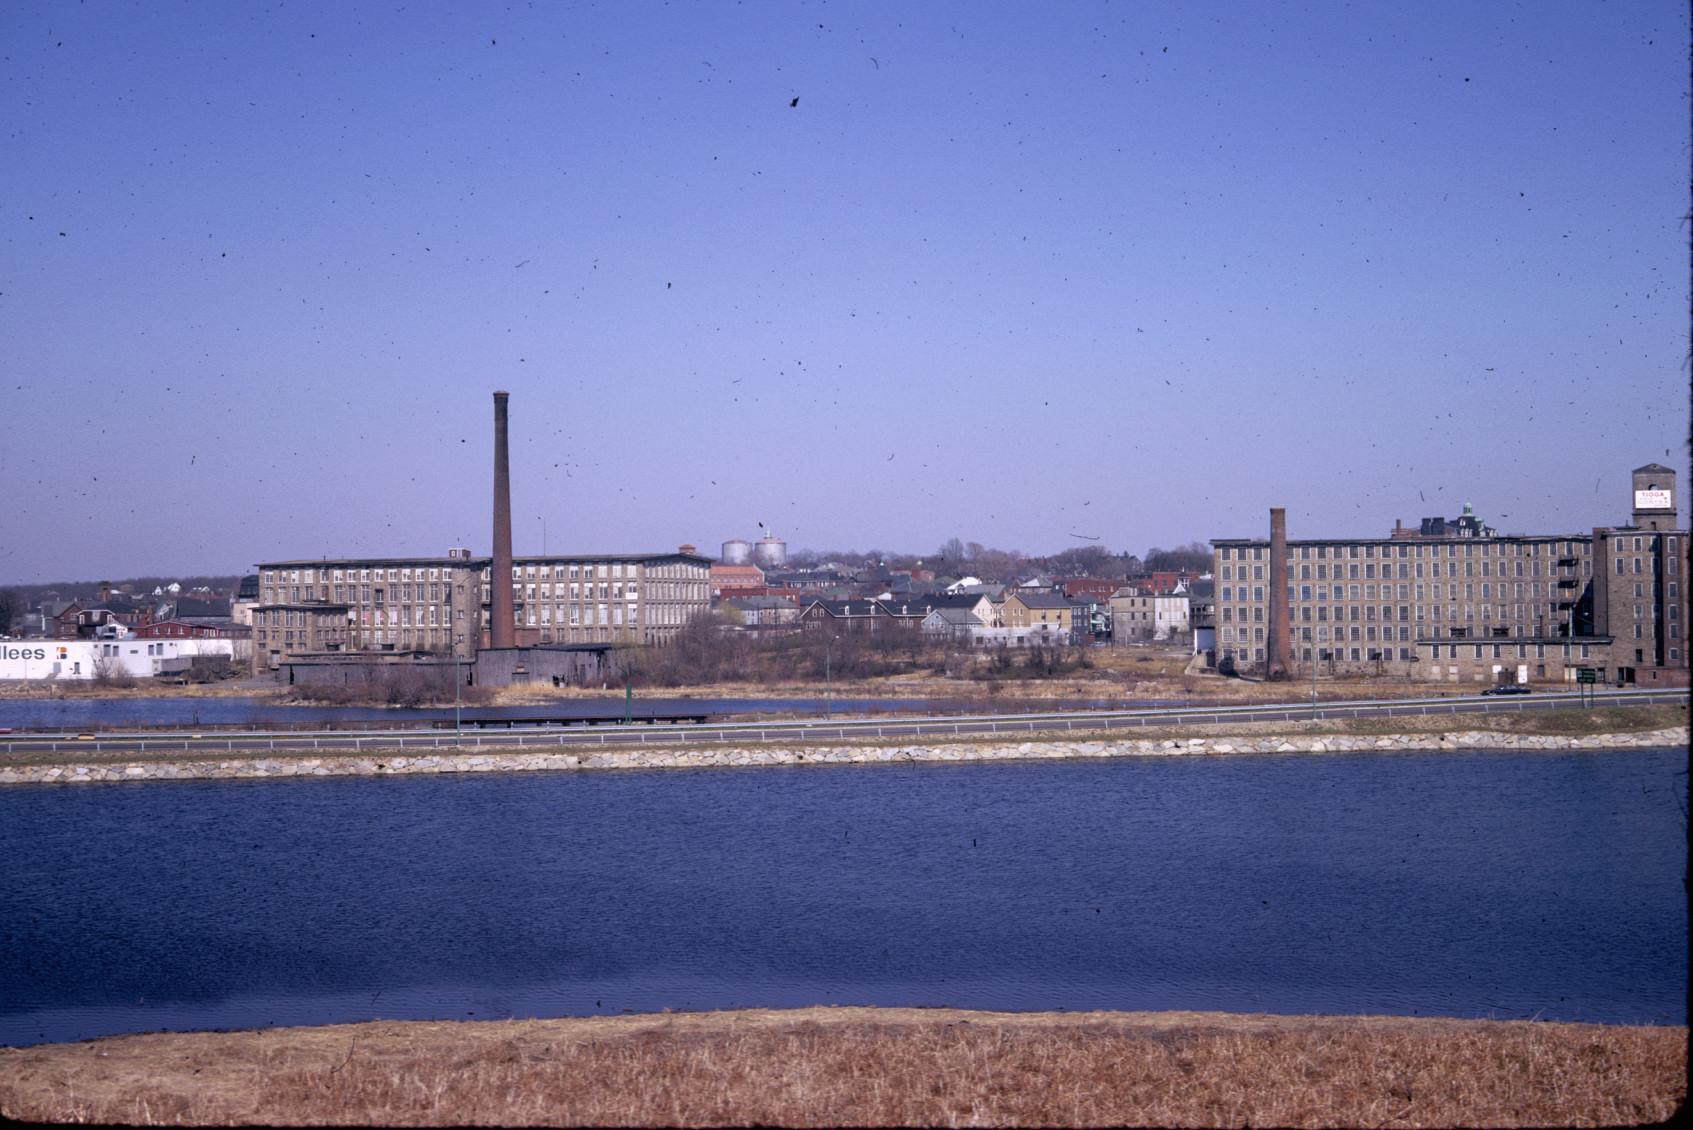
[(1645, 565), (601, 570), (313, 576), (1562, 548), (1322, 594), (546, 615), (1249, 654), (406, 593), (1471, 651), (1410, 569), (614, 615), (1489, 612), (1368, 632), (559, 572), (609, 590)]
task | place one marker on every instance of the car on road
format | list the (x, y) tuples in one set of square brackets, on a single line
[(1509, 688)]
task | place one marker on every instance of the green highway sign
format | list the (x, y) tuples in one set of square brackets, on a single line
[(1586, 675)]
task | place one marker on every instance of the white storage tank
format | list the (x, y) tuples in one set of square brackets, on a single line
[(737, 551), (771, 552)]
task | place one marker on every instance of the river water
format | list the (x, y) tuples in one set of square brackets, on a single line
[(79, 713), (1474, 884)]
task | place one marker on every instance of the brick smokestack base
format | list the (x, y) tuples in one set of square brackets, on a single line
[(501, 631), (1278, 654)]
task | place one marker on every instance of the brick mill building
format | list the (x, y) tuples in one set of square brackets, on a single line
[(1457, 601), (442, 604)]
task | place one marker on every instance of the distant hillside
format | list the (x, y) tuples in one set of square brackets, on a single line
[(30, 596)]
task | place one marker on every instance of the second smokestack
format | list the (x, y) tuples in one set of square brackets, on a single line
[(502, 622)]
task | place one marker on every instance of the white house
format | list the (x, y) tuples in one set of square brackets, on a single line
[(952, 623)]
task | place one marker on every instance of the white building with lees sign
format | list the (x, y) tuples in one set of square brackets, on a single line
[(84, 659)]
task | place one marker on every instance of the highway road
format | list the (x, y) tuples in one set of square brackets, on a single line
[(112, 745)]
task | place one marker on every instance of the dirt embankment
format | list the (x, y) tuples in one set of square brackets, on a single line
[(860, 1066)]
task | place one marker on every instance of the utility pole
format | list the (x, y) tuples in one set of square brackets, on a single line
[(1316, 652)]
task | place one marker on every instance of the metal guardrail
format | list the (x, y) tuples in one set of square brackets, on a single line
[(809, 730)]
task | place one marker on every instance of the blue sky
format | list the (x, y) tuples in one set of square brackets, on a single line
[(1024, 274)]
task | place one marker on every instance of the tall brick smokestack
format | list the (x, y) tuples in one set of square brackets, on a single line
[(501, 627), (1281, 648)]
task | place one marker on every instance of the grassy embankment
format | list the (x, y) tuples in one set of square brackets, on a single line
[(1565, 723), (1111, 674), (855, 1066)]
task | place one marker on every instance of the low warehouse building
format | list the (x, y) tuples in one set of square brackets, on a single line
[(130, 657)]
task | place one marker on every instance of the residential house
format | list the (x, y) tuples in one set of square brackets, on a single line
[(1142, 616), (1047, 612), (977, 604), (845, 616), (1202, 617), (1163, 581), (763, 611), (958, 624), (1098, 588), (1090, 618)]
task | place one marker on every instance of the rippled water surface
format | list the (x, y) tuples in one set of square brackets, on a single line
[(1477, 884)]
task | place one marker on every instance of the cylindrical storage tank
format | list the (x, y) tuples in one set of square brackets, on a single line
[(736, 551), (771, 552)]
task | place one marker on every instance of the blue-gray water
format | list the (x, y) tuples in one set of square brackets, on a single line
[(78, 713), (1475, 884)]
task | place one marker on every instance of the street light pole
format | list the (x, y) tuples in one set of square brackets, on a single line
[(828, 679), (1316, 651)]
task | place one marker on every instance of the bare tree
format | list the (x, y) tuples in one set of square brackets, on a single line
[(210, 668), (109, 671), (1194, 557), (995, 564), (1083, 561)]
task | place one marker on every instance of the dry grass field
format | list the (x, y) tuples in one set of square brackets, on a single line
[(1114, 674), (142, 688), (868, 1067)]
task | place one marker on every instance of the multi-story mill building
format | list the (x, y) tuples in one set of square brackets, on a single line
[(442, 604), (1457, 601)]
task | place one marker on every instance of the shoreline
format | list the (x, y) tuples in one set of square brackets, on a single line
[(868, 1066), (488, 757)]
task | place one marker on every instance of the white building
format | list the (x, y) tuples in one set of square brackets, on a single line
[(961, 625), (1141, 617), (47, 660)]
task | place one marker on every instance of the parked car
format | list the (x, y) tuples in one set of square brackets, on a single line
[(1509, 688)]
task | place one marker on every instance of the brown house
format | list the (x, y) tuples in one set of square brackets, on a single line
[(1042, 610)]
